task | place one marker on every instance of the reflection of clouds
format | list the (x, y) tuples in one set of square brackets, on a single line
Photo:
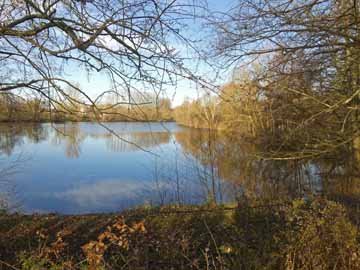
[(108, 193)]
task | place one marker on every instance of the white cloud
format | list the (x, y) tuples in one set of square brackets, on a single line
[(106, 193)]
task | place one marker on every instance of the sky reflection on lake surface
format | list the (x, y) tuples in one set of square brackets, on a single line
[(83, 168)]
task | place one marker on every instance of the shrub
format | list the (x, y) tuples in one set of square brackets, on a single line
[(318, 235)]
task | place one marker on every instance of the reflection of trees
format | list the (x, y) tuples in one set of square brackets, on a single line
[(72, 135), (342, 177), (235, 161), (202, 144), (142, 139), (14, 135)]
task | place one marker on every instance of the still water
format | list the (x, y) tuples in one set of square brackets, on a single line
[(74, 168), (84, 168)]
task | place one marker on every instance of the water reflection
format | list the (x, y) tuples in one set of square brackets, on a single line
[(143, 139), (12, 135), (105, 195), (71, 135), (82, 167), (237, 161)]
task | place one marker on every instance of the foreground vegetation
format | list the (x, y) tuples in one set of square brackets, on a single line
[(295, 235)]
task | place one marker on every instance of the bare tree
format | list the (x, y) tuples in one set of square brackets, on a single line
[(312, 76), (132, 41)]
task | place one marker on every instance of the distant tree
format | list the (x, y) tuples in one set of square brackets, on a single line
[(35, 108), (241, 107), (203, 112), (164, 109), (9, 106)]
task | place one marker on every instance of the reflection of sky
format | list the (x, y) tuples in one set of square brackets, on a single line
[(104, 195), (102, 178), (86, 170)]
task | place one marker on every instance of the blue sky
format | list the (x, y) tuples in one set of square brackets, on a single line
[(95, 83)]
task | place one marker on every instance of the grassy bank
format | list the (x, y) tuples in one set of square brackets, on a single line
[(298, 235)]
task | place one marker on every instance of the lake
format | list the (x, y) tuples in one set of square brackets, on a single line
[(76, 168)]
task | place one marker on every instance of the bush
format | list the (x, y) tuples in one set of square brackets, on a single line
[(318, 235)]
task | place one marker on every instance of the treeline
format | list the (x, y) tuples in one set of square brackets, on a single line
[(15, 108)]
